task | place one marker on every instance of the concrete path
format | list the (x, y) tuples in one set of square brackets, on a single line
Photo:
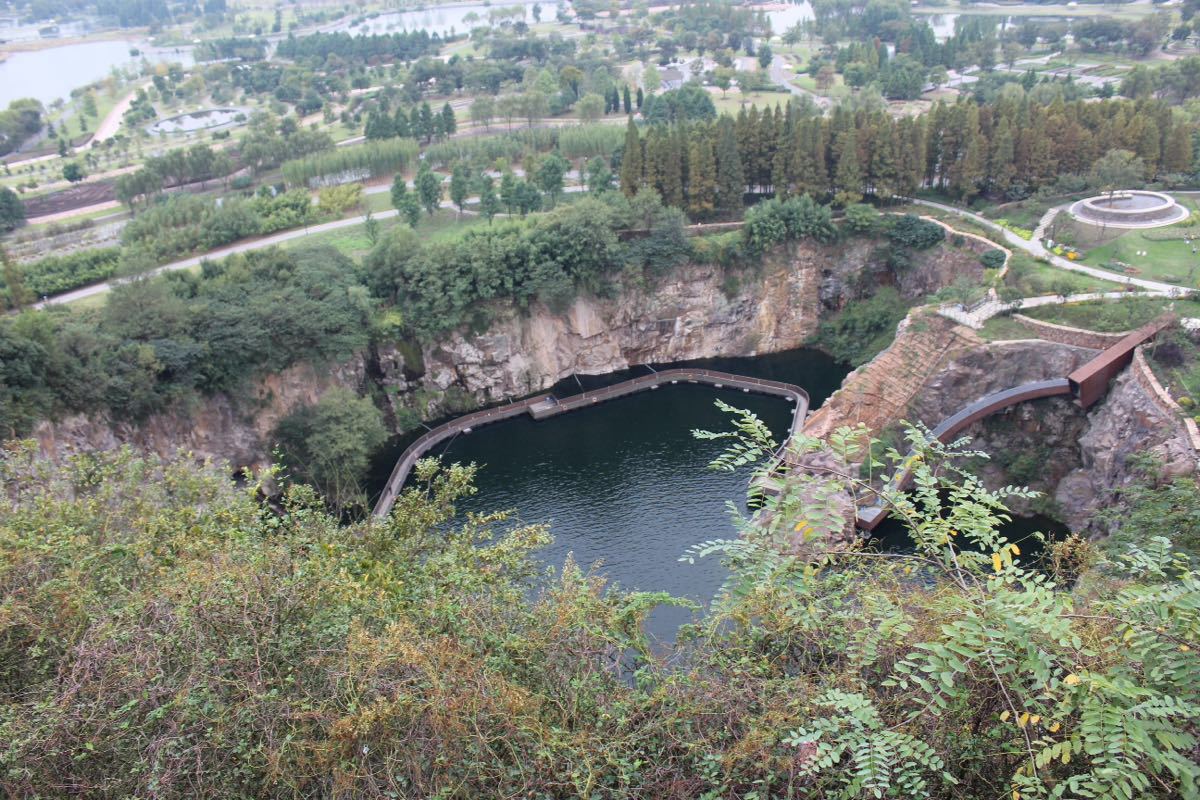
[(1035, 248), (976, 317)]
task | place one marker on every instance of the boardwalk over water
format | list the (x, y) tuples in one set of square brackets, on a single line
[(543, 406)]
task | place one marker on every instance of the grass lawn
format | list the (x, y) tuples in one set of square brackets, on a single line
[(1113, 316), (1035, 278), (734, 100), (1003, 328), (1170, 261)]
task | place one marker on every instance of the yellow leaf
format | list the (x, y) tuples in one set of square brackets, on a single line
[(1023, 720), (1015, 550), (1184, 648), (1016, 795), (1129, 634), (1054, 728), (1004, 717), (997, 564), (1066, 756), (1071, 680), (1035, 719), (801, 525)]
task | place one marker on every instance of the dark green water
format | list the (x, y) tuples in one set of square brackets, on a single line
[(624, 485)]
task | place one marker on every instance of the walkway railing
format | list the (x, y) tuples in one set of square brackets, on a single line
[(465, 424)]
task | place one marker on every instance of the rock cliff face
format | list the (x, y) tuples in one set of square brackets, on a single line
[(696, 313), (687, 316), (1077, 459)]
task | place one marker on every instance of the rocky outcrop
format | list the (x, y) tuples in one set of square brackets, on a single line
[(1077, 460), (698, 312), (1128, 422), (687, 316), (220, 428)]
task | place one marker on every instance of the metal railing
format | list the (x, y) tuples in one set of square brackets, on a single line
[(413, 453)]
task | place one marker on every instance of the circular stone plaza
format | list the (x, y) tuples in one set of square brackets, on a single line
[(1129, 209)]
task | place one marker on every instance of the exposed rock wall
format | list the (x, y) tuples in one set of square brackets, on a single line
[(695, 313), (1077, 459), (1064, 334)]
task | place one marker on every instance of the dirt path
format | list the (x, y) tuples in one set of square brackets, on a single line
[(112, 121)]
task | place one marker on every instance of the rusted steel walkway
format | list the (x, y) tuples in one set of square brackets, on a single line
[(1087, 384), (543, 406)]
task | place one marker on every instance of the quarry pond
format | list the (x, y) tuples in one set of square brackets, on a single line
[(625, 485)]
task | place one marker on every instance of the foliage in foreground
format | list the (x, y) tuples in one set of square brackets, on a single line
[(162, 633)]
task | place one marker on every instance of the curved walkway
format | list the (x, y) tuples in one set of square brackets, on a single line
[(547, 405), (1086, 383), (1035, 248)]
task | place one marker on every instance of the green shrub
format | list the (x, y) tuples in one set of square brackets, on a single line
[(916, 233), (58, 274), (863, 328), (993, 259)]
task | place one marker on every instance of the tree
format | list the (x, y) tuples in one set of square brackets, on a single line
[(731, 182), (628, 102), (641, 98), (399, 190), (631, 161), (483, 109), (508, 191), (489, 203), (14, 282), (599, 176), (702, 178), (549, 177), (848, 178), (330, 444), (527, 197), (371, 228), (12, 210), (449, 121), (765, 56), (460, 185), (1116, 169), (651, 79), (590, 107), (73, 172), (429, 188)]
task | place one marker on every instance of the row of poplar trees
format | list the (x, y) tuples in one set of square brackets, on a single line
[(965, 149)]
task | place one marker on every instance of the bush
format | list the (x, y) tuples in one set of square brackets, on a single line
[(916, 233), (993, 259), (351, 164), (58, 274), (863, 328)]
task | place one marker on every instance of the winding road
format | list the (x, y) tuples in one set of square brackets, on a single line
[(1034, 247)]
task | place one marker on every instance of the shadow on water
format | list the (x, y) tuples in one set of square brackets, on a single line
[(893, 537), (624, 484)]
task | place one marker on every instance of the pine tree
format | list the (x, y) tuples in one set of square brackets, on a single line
[(731, 185), (670, 170), (399, 190), (702, 177), (449, 123), (400, 126), (627, 99), (654, 160), (641, 98), (1178, 155), (379, 126), (631, 161), (426, 122), (848, 178), (1000, 160)]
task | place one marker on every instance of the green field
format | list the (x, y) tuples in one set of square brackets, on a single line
[(1169, 261), (1113, 316)]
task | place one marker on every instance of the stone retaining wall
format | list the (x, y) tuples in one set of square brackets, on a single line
[(1162, 398), (1064, 334)]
